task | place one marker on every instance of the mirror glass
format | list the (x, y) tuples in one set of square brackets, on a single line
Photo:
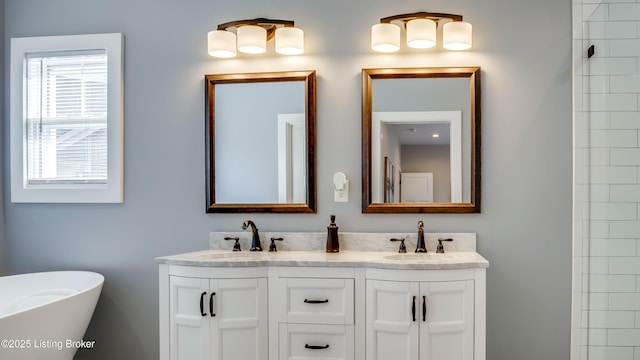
[(421, 140), (261, 142)]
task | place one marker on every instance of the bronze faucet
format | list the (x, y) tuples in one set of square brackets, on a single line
[(420, 247), (255, 238)]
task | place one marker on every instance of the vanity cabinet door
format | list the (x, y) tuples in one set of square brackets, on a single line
[(218, 319), (391, 317), (446, 326), (420, 320), (239, 329), (188, 328)]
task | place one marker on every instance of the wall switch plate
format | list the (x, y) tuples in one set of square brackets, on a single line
[(342, 195)]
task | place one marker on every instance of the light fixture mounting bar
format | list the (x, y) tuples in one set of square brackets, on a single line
[(268, 24), (420, 15)]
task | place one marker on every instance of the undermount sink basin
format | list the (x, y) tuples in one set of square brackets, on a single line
[(419, 256), (233, 255)]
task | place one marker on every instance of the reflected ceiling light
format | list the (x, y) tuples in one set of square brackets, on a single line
[(421, 30), (251, 36)]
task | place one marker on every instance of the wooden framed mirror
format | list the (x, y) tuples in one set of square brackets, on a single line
[(260, 142), (421, 140)]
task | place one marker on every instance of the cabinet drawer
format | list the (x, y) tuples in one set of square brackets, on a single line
[(301, 341), (318, 301)]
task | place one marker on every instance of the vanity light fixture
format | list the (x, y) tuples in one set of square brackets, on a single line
[(420, 29), (251, 36)]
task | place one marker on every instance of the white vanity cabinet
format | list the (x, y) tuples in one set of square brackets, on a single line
[(304, 305), (313, 313), (214, 314), (425, 315)]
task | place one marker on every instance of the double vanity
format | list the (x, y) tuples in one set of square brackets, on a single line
[(367, 301)]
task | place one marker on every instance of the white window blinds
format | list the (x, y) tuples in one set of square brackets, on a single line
[(66, 117)]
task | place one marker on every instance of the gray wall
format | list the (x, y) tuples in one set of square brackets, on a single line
[(524, 229)]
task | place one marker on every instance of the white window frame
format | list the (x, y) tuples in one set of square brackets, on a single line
[(113, 190)]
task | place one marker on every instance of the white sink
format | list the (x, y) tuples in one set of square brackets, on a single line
[(240, 255), (420, 256)]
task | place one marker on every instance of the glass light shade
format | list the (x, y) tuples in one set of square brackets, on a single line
[(289, 41), (457, 35), (421, 33), (252, 39), (221, 44), (385, 37)]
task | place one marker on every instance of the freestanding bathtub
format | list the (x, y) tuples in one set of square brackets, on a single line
[(45, 315)]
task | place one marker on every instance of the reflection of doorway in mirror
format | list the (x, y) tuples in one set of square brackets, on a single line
[(291, 158), (386, 144), (416, 187)]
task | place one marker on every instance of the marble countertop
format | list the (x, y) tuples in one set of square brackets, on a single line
[(369, 259)]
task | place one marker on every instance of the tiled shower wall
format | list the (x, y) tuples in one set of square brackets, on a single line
[(606, 301)]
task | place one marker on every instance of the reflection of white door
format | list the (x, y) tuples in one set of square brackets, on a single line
[(292, 160), (416, 187)]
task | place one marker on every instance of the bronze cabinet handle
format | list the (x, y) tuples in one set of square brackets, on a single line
[(413, 309), (211, 304), (424, 308), (202, 304), (309, 301)]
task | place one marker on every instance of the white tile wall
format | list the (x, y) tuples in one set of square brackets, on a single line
[(623, 12), (611, 319), (624, 193), (610, 283), (612, 247), (610, 353), (624, 301), (623, 337), (624, 265), (624, 120), (606, 300), (613, 138)]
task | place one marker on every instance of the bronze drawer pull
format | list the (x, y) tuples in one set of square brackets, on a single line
[(307, 301)]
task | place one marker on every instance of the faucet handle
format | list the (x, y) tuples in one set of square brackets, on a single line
[(403, 247), (272, 247), (236, 246), (440, 249)]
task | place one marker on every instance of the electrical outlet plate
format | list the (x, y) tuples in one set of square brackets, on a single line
[(342, 195)]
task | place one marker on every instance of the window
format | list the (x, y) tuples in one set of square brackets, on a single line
[(66, 119)]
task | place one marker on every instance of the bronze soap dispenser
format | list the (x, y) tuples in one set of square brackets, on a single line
[(333, 245)]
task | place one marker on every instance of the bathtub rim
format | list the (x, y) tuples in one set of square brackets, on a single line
[(96, 282)]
